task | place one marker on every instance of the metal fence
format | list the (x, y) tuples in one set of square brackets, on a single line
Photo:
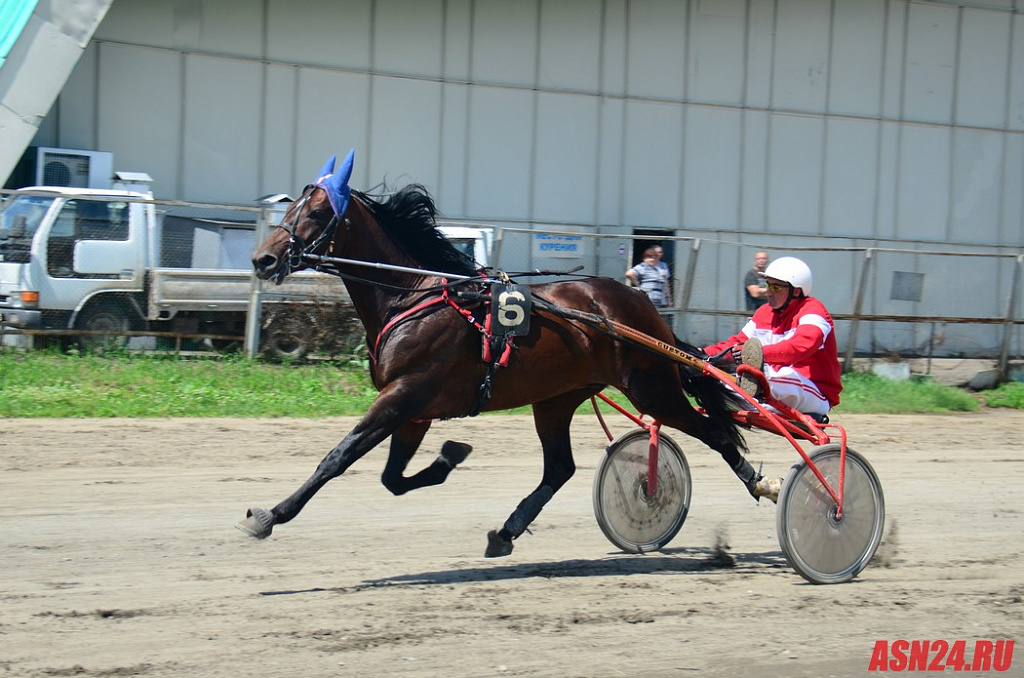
[(196, 290), (912, 302)]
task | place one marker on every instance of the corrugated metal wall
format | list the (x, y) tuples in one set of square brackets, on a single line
[(767, 119)]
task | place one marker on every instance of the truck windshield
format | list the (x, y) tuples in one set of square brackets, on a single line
[(18, 223)]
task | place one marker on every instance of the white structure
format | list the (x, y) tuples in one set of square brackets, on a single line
[(40, 44), (857, 118), (770, 122)]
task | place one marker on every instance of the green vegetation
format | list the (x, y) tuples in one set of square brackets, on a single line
[(1007, 395), (45, 384), (869, 393), (53, 385)]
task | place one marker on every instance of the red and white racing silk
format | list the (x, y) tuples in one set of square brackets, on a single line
[(802, 337)]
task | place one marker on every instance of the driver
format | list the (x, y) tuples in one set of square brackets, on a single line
[(791, 339)]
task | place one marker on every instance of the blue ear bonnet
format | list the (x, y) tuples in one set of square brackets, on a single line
[(336, 183)]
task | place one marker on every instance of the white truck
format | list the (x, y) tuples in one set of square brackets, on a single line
[(91, 261)]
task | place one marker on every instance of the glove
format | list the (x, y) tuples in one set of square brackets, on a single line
[(727, 359)]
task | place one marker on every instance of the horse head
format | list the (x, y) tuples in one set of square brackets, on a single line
[(308, 225)]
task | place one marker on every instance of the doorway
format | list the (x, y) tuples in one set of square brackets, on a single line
[(648, 237)]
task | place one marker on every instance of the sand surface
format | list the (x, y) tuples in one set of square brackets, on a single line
[(119, 557)]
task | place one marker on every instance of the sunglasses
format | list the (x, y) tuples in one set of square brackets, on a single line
[(773, 287)]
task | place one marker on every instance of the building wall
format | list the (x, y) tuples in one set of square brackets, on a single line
[(773, 121)]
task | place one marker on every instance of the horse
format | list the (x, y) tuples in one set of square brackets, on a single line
[(423, 306)]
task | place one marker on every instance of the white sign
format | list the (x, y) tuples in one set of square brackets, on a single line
[(560, 246)]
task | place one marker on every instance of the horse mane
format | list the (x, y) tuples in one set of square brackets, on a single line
[(409, 217)]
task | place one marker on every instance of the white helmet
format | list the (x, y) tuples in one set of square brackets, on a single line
[(793, 271)]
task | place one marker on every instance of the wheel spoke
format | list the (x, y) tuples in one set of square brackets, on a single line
[(631, 520), (821, 548)]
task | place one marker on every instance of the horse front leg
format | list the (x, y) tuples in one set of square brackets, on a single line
[(404, 443), (551, 418), (391, 408)]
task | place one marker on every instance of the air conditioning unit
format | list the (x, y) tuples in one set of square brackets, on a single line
[(73, 168)]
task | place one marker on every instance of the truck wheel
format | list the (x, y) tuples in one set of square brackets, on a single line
[(104, 317), (287, 338)]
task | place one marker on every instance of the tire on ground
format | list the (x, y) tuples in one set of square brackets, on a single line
[(288, 336), (114, 316)]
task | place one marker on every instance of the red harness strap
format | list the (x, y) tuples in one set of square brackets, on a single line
[(409, 312), (490, 344), (489, 339)]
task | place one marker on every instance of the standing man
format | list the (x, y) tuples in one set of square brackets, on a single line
[(652, 277), (755, 284)]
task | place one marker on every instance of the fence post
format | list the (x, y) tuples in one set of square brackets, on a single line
[(255, 313), (858, 303), (691, 271), (1011, 304), (499, 241)]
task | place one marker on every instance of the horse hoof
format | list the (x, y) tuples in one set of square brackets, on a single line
[(768, 487), (453, 453), (258, 523), (753, 356), (496, 546)]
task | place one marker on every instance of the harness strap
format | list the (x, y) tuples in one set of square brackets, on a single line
[(488, 338), (401, 317), (464, 312), (490, 343), (507, 353), (444, 298)]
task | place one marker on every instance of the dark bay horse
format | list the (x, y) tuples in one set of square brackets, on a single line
[(426, 358)]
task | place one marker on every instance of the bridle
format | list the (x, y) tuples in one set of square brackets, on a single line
[(298, 249)]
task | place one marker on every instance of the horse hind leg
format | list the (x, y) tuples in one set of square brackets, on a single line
[(648, 393), (404, 443), (551, 418), (756, 484)]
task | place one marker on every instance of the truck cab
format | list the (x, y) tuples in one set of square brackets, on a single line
[(100, 264), (62, 247), (474, 241)]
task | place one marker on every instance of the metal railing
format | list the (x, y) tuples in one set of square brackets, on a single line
[(916, 301)]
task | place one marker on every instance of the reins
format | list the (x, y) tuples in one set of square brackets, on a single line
[(299, 253), (333, 263), (609, 327)]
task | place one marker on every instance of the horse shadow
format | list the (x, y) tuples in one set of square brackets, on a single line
[(685, 561), (667, 561)]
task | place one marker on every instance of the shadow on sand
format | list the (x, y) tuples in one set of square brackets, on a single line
[(668, 561)]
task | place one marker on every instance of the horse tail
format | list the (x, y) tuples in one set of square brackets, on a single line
[(711, 394)]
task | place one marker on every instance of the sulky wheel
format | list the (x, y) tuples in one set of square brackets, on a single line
[(820, 547), (628, 517)]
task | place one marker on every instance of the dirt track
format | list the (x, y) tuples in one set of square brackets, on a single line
[(120, 558)]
